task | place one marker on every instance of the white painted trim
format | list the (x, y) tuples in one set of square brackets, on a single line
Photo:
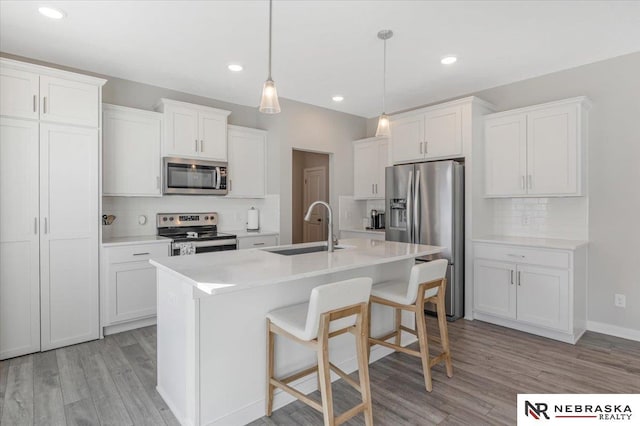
[(183, 421), (54, 72), (582, 101), (614, 330), (129, 325), (462, 101), (166, 102), (140, 112)]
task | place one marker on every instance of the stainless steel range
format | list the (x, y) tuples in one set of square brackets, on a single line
[(194, 233)]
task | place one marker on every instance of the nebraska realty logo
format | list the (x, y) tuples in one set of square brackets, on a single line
[(583, 409)]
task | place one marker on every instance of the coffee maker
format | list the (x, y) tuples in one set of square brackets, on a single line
[(377, 219)]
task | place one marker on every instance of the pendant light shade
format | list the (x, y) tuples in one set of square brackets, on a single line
[(383, 121), (269, 103)]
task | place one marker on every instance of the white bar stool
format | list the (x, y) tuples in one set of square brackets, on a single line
[(333, 309), (427, 283)]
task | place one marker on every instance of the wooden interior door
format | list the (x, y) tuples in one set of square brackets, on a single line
[(315, 188)]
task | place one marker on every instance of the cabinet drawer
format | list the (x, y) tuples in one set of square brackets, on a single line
[(258, 241), (523, 255), (136, 253)]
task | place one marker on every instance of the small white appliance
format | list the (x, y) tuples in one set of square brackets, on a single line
[(253, 219)]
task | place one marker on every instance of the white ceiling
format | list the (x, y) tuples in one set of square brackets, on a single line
[(322, 48)]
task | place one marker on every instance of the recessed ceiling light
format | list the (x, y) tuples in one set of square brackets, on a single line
[(51, 12), (448, 60), (338, 98), (235, 67)]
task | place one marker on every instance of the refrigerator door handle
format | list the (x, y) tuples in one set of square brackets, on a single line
[(410, 207), (416, 207)]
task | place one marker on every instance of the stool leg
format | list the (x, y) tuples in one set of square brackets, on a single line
[(325, 371), (368, 346), (444, 334), (362, 343), (398, 324), (424, 345), (270, 363)]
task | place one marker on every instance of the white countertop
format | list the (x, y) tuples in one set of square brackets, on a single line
[(228, 271), (554, 243), (140, 239), (367, 231), (243, 233)]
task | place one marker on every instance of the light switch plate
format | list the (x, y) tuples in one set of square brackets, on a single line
[(620, 300)]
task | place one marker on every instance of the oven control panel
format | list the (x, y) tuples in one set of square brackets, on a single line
[(172, 220)]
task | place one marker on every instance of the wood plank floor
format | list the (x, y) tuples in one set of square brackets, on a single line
[(112, 381)]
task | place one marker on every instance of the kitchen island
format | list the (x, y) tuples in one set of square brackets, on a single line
[(211, 322)]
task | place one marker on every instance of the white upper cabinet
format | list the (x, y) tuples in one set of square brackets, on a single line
[(506, 155), (247, 162), (536, 151), (427, 134), (35, 92), (19, 93), (370, 157), (69, 102), (194, 131), (131, 151)]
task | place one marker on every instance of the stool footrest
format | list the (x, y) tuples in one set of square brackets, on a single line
[(409, 330), (302, 397), (299, 375), (396, 347), (438, 359), (350, 413), (344, 376)]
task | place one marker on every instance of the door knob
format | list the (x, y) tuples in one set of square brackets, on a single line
[(319, 220)]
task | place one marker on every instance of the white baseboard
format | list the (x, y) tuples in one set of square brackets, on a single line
[(614, 330), (130, 325)]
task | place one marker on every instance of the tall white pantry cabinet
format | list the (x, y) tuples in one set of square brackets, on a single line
[(49, 207)]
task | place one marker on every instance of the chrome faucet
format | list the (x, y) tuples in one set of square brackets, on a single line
[(330, 238)]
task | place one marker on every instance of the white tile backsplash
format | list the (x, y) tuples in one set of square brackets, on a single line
[(232, 212), (542, 217)]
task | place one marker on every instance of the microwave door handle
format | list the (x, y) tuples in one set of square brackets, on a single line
[(218, 177)]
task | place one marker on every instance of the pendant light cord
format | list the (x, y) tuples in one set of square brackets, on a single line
[(270, 19), (384, 76)]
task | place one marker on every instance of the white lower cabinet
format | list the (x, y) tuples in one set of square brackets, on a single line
[(258, 241), (540, 291), (128, 286)]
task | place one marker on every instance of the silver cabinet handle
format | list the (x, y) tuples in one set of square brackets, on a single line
[(44, 105), (158, 182), (201, 146), (522, 182), (519, 278), (521, 256), (373, 191), (46, 226), (511, 271), (230, 184), (141, 254), (420, 147), (258, 244), (196, 145), (35, 103), (376, 188), (426, 147), (35, 225), (529, 181)]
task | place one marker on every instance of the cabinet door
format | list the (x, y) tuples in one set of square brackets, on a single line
[(131, 291), (213, 136), (443, 133), (19, 93), (552, 151), (247, 158), (19, 253), (494, 288), (365, 173), (383, 162), (69, 102), (69, 242), (506, 155), (407, 139), (543, 297), (181, 132), (131, 153)]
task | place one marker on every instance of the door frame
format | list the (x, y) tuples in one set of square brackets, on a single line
[(305, 172)]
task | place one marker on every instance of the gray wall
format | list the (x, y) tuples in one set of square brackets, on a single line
[(613, 173), (299, 125)]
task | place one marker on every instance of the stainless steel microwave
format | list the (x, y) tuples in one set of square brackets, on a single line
[(194, 177)]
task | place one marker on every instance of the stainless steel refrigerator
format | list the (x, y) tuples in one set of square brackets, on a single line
[(425, 205)]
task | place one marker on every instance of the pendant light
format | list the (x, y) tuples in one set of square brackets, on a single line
[(383, 121), (269, 103)]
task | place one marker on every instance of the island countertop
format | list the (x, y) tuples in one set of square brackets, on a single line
[(229, 271)]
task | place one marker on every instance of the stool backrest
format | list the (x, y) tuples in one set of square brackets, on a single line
[(425, 272), (329, 297)]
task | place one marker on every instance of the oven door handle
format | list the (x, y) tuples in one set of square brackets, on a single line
[(213, 243)]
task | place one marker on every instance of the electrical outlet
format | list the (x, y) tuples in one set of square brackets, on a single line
[(620, 300), (526, 219)]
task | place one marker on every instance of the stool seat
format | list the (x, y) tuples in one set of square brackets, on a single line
[(292, 319), (397, 291)]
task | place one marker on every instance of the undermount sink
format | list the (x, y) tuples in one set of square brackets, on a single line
[(301, 250)]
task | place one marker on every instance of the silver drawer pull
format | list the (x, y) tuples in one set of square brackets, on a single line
[(516, 255), (35, 103), (258, 244), (140, 254)]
